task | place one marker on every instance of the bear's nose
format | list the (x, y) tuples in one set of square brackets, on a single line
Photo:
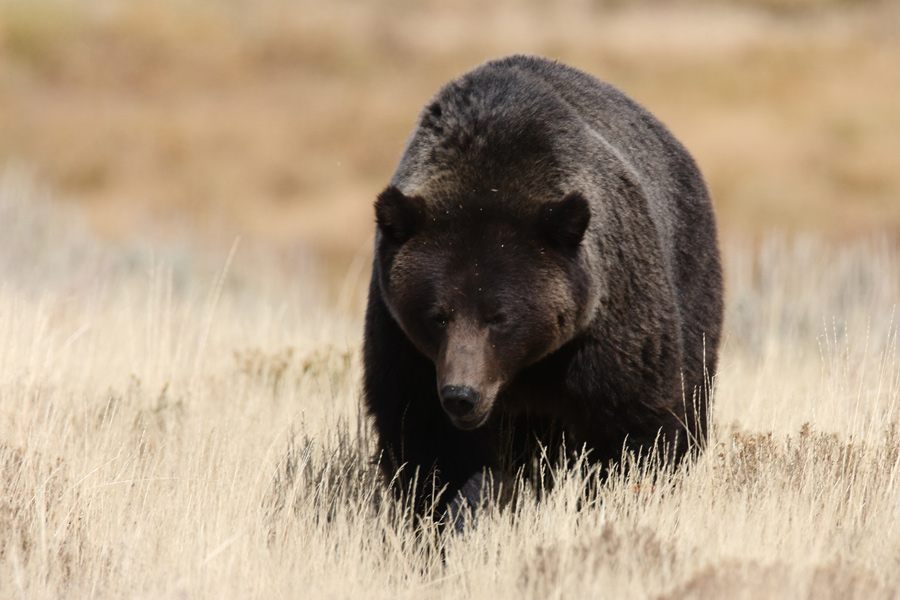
[(458, 400)]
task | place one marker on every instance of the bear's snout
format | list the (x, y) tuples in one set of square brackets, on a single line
[(459, 400)]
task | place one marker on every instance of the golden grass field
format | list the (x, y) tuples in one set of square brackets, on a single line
[(171, 427), (180, 318)]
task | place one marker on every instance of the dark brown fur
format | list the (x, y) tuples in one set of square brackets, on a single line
[(547, 250)]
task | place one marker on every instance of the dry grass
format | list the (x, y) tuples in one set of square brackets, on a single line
[(181, 419), (275, 119), (174, 424)]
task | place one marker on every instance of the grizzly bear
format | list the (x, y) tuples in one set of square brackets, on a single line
[(546, 267)]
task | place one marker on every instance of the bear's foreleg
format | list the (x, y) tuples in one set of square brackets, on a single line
[(421, 451), (480, 490)]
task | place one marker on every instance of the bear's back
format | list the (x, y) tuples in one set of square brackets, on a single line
[(667, 174)]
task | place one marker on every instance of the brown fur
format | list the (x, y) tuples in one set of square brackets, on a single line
[(546, 250)]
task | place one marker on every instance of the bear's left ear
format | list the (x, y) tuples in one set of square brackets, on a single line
[(566, 221), (398, 215)]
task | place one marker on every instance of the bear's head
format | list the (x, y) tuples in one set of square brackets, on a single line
[(481, 290)]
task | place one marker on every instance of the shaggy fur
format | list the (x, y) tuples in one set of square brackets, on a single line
[(545, 261)]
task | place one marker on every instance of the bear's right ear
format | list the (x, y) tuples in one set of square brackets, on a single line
[(397, 215)]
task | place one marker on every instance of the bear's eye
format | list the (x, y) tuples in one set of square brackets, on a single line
[(439, 318), (497, 319)]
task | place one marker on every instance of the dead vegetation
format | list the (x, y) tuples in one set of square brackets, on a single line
[(171, 431), (182, 419)]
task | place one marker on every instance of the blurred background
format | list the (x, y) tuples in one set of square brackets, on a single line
[(280, 120)]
